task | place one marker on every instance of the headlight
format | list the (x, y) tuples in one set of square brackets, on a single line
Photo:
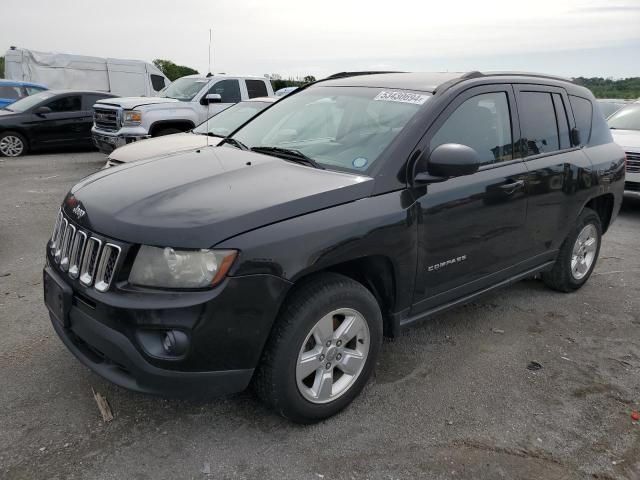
[(132, 117), (169, 268)]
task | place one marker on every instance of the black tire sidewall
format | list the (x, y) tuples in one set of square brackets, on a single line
[(25, 146), (293, 404), (588, 217)]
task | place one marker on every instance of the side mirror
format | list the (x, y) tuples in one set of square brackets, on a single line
[(448, 160), (575, 137), (42, 110), (213, 98)]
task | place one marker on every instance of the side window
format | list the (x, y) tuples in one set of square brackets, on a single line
[(33, 90), (229, 90), (582, 112), (12, 93), (256, 88), (563, 122), (483, 123), (538, 123), (157, 82), (66, 104)]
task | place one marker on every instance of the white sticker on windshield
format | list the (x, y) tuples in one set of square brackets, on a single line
[(402, 97)]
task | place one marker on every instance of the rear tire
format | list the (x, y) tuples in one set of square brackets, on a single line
[(578, 254), (167, 131), (322, 350), (12, 144)]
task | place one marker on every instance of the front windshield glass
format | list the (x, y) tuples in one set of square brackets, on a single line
[(337, 127), (626, 119), (27, 102), (225, 122), (183, 89)]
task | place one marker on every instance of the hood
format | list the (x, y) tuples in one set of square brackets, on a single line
[(158, 146), (132, 102), (4, 113), (627, 139), (200, 198)]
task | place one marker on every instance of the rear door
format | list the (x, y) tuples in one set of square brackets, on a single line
[(558, 171), (472, 228)]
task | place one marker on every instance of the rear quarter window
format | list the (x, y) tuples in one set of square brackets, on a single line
[(256, 88), (583, 114)]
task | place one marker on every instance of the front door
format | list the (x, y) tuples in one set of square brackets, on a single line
[(472, 228), (229, 91), (64, 125)]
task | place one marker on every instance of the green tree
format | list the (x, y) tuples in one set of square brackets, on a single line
[(1, 67), (309, 79), (628, 88), (173, 71)]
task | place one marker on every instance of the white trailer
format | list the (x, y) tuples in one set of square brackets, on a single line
[(125, 78)]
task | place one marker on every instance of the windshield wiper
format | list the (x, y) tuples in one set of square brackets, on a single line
[(288, 154), (211, 134), (235, 143)]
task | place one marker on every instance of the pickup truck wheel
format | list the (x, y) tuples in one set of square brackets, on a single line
[(322, 349), (578, 254), (12, 144), (167, 131)]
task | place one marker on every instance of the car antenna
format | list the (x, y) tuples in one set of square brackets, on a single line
[(205, 95)]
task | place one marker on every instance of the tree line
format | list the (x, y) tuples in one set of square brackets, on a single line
[(628, 88)]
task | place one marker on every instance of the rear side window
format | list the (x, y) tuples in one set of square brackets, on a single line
[(12, 93), (66, 104), (538, 123), (483, 123), (582, 112), (90, 100), (563, 121), (256, 88), (229, 90), (157, 82)]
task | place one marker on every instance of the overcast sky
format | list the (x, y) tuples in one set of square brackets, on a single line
[(297, 37)]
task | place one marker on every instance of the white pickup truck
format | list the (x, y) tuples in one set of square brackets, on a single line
[(181, 106)]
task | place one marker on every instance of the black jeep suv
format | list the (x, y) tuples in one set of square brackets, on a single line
[(350, 209)]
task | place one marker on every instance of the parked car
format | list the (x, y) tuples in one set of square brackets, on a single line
[(215, 128), (53, 118), (609, 106), (625, 127), (11, 91), (80, 72), (359, 205), (185, 103), (285, 91)]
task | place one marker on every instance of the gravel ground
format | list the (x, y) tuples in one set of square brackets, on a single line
[(451, 399)]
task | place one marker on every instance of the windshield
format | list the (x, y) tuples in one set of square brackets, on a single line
[(225, 122), (337, 127), (183, 89), (609, 108), (27, 102), (626, 119)]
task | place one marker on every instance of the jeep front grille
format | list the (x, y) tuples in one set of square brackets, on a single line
[(83, 255), (106, 119), (633, 162)]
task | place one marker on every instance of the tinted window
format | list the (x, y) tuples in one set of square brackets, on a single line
[(90, 100), (482, 122), (229, 90), (538, 122), (66, 104), (157, 82), (582, 112), (10, 92), (256, 88), (563, 123)]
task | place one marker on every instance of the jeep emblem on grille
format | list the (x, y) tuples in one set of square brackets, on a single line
[(79, 212)]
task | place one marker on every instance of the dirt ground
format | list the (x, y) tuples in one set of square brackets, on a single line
[(451, 398)]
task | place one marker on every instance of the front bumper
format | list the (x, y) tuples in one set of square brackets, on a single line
[(226, 332), (632, 184), (107, 142)]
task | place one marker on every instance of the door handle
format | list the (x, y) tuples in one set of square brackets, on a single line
[(512, 187)]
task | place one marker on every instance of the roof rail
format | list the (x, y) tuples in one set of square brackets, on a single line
[(355, 74), (477, 74)]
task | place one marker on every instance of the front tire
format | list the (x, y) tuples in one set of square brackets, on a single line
[(322, 350), (578, 254), (12, 144)]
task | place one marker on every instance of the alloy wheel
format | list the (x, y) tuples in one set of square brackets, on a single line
[(11, 146), (584, 252)]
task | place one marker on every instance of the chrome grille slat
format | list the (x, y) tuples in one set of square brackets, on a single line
[(58, 250), (106, 119), (65, 248), (75, 258), (56, 228), (90, 261), (107, 266)]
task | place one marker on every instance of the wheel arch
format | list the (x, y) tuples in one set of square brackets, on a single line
[(603, 205), (159, 125)]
